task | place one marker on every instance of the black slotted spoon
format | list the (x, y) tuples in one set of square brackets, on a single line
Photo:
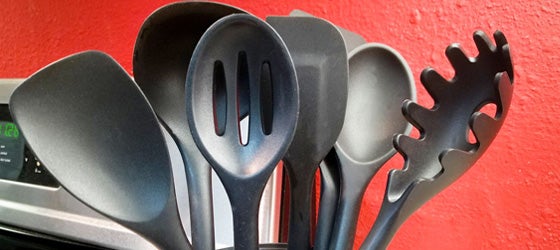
[(236, 53)]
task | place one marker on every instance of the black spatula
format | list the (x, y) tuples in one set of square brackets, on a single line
[(95, 131)]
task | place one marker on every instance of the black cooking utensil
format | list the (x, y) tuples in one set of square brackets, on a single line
[(330, 190), (161, 57), (351, 39), (319, 55), (379, 81), (330, 172), (241, 59), (443, 152), (96, 133)]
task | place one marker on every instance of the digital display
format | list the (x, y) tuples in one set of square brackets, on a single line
[(17, 162), (9, 130), (11, 151)]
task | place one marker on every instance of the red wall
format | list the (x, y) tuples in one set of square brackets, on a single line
[(509, 200)]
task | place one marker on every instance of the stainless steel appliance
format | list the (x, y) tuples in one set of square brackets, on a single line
[(35, 208)]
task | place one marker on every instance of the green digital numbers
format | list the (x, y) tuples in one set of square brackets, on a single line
[(8, 129)]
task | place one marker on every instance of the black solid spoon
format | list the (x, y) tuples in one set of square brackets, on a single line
[(96, 133), (162, 54), (379, 81), (241, 52)]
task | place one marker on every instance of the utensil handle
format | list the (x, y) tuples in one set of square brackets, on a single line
[(346, 219), (330, 188), (380, 235), (199, 182), (301, 186), (355, 178), (392, 215), (386, 225), (245, 208), (163, 231)]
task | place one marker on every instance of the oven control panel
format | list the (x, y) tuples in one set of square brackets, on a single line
[(17, 162)]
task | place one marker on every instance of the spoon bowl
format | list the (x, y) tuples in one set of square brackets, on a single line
[(380, 81)]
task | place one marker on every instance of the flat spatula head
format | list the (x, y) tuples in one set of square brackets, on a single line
[(94, 130)]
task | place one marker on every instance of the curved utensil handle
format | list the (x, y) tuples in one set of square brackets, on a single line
[(299, 234), (346, 219), (330, 188), (199, 183), (158, 231), (245, 199), (385, 227), (354, 183)]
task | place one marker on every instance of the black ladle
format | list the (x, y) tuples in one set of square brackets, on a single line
[(162, 54), (94, 130), (241, 52)]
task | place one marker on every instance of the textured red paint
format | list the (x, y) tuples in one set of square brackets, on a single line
[(509, 200)]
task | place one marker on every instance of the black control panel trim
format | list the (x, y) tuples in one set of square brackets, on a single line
[(14, 238)]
